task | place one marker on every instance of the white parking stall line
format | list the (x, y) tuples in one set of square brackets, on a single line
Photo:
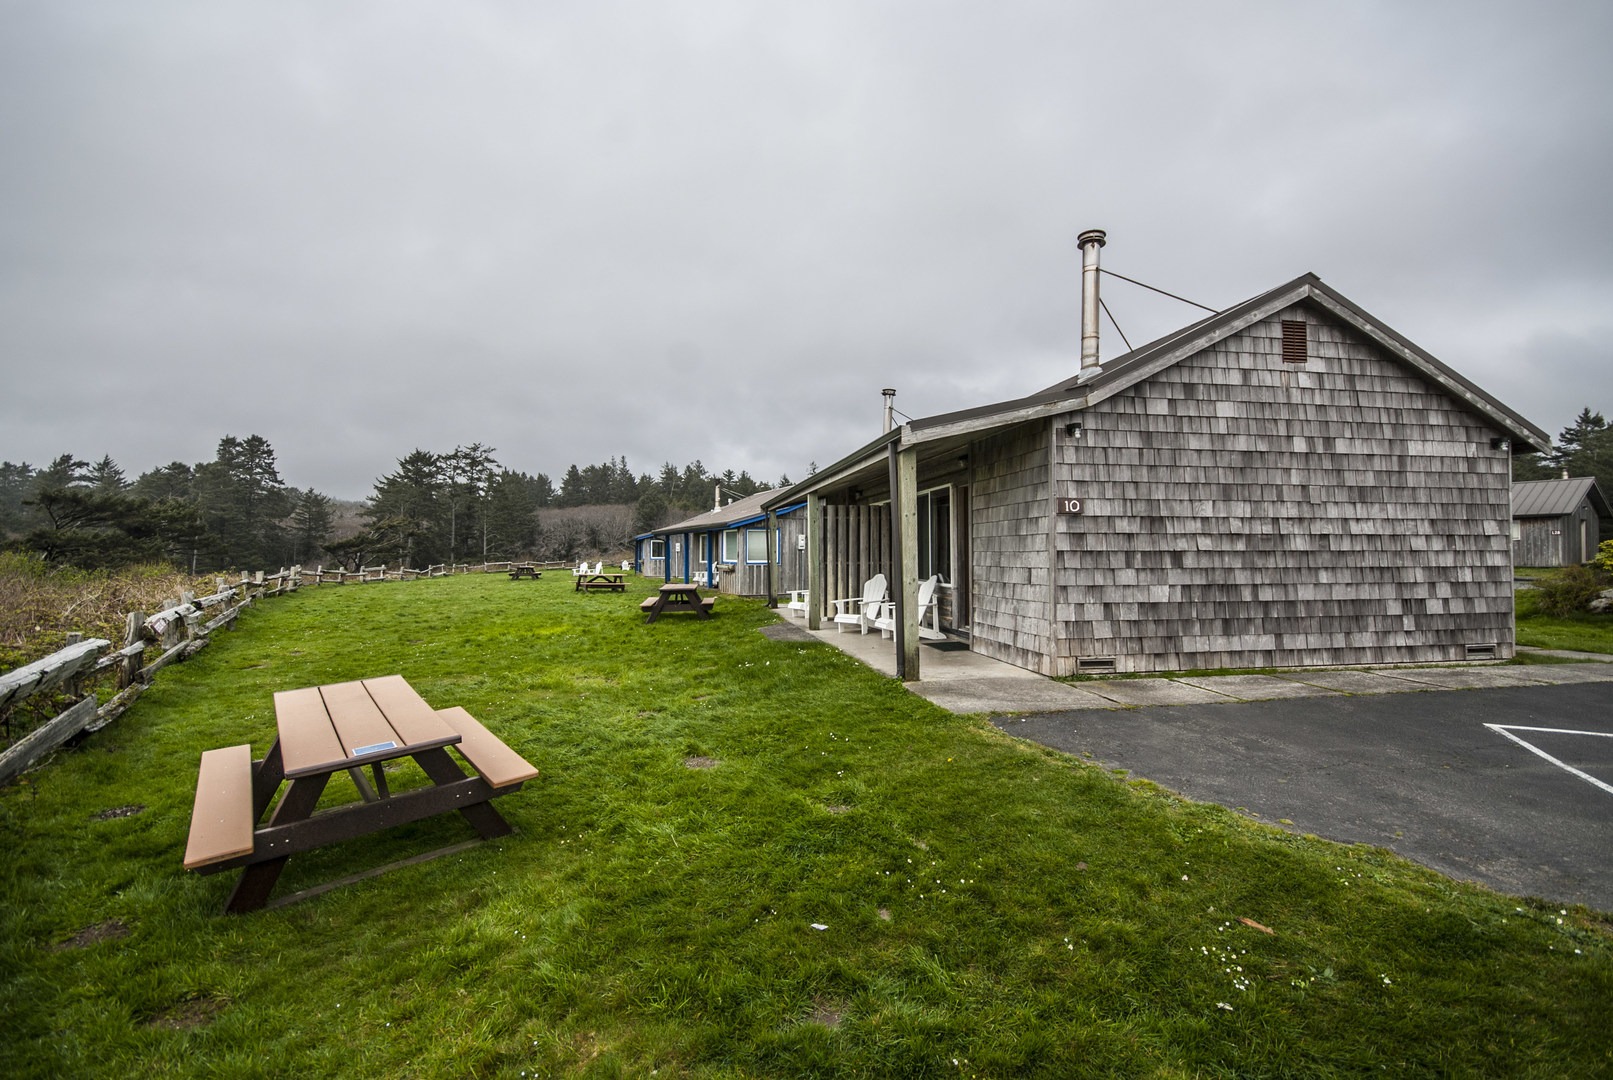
[(1508, 729)]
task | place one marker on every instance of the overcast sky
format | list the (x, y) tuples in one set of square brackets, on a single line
[(715, 230)]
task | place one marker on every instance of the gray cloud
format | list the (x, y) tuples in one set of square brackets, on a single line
[(714, 230)]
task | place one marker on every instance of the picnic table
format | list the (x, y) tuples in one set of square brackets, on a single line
[(611, 582), (519, 572), (677, 596), (323, 730)]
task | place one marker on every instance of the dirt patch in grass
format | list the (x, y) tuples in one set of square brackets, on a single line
[(103, 931), (699, 763), (827, 1013), (118, 812), (189, 1014)]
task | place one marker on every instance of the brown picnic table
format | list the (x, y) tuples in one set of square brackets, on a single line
[(519, 572), (600, 583), (677, 596), (323, 730)]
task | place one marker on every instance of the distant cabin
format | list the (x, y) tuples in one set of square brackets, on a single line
[(1556, 522), (739, 549), (1286, 483)]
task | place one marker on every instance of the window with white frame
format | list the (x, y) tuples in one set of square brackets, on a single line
[(657, 548), (935, 533), (756, 546), (730, 546)]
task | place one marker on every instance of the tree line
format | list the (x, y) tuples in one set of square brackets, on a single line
[(235, 511)]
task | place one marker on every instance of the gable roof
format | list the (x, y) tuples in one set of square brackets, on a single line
[(1556, 498), (1124, 371), (739, 512), (1139, 364)]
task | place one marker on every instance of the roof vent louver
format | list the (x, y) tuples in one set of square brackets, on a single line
[(1295, 343)]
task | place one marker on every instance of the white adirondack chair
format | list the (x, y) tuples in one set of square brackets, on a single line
[(928, 608), (599, 568), (701, 578), (861, 611), (582, 568), (797, 605)]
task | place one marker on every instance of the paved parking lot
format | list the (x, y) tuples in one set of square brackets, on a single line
[(1510, 786)]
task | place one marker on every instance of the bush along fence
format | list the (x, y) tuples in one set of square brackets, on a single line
[(69, 679)]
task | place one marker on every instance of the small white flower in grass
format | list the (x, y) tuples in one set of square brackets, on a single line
[(1223, 1005)]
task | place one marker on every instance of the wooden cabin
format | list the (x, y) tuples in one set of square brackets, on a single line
[(1556, 522), (741, 549), (1287, 483)]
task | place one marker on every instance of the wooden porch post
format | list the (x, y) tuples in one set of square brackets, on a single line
[(772, 553), (905, 521), (815, 555)]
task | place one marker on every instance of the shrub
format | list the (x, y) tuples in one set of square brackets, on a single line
[(1570, 590), (1604, 556)]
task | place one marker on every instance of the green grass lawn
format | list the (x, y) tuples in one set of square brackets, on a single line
[(709, 798), (1580, 633)]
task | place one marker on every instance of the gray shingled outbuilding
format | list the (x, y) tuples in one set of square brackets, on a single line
[(1286, 483), (1556, 522)]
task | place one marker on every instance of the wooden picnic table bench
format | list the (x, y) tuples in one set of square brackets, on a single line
[(677, 596), (519, 572), (611, 582), (321, 731)]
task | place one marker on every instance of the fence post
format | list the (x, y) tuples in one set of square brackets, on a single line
[(131, 664)]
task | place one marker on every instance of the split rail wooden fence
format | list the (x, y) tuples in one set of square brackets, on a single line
[(175, 633)]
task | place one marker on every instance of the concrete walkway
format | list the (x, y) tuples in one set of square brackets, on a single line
[(961, 681)]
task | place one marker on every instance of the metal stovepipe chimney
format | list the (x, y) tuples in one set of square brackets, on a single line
[(1090, 242)]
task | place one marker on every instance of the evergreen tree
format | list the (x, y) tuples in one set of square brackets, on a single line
[(649, 512), (242, 500), (571, 488), (65, 472), (106, 476), (311, 521), (542, 489), (92, 528), (1577, 439), (412, 505), (512, 515), (16, 483), (175, 480)]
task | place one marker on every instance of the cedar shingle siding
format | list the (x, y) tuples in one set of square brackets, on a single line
[(1240, 514), (1008, 535)]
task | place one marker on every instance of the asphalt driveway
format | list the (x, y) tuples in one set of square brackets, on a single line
[(1444, 778)]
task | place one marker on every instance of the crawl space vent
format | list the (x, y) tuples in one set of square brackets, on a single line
[(1481, 652), (1095, 663)]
